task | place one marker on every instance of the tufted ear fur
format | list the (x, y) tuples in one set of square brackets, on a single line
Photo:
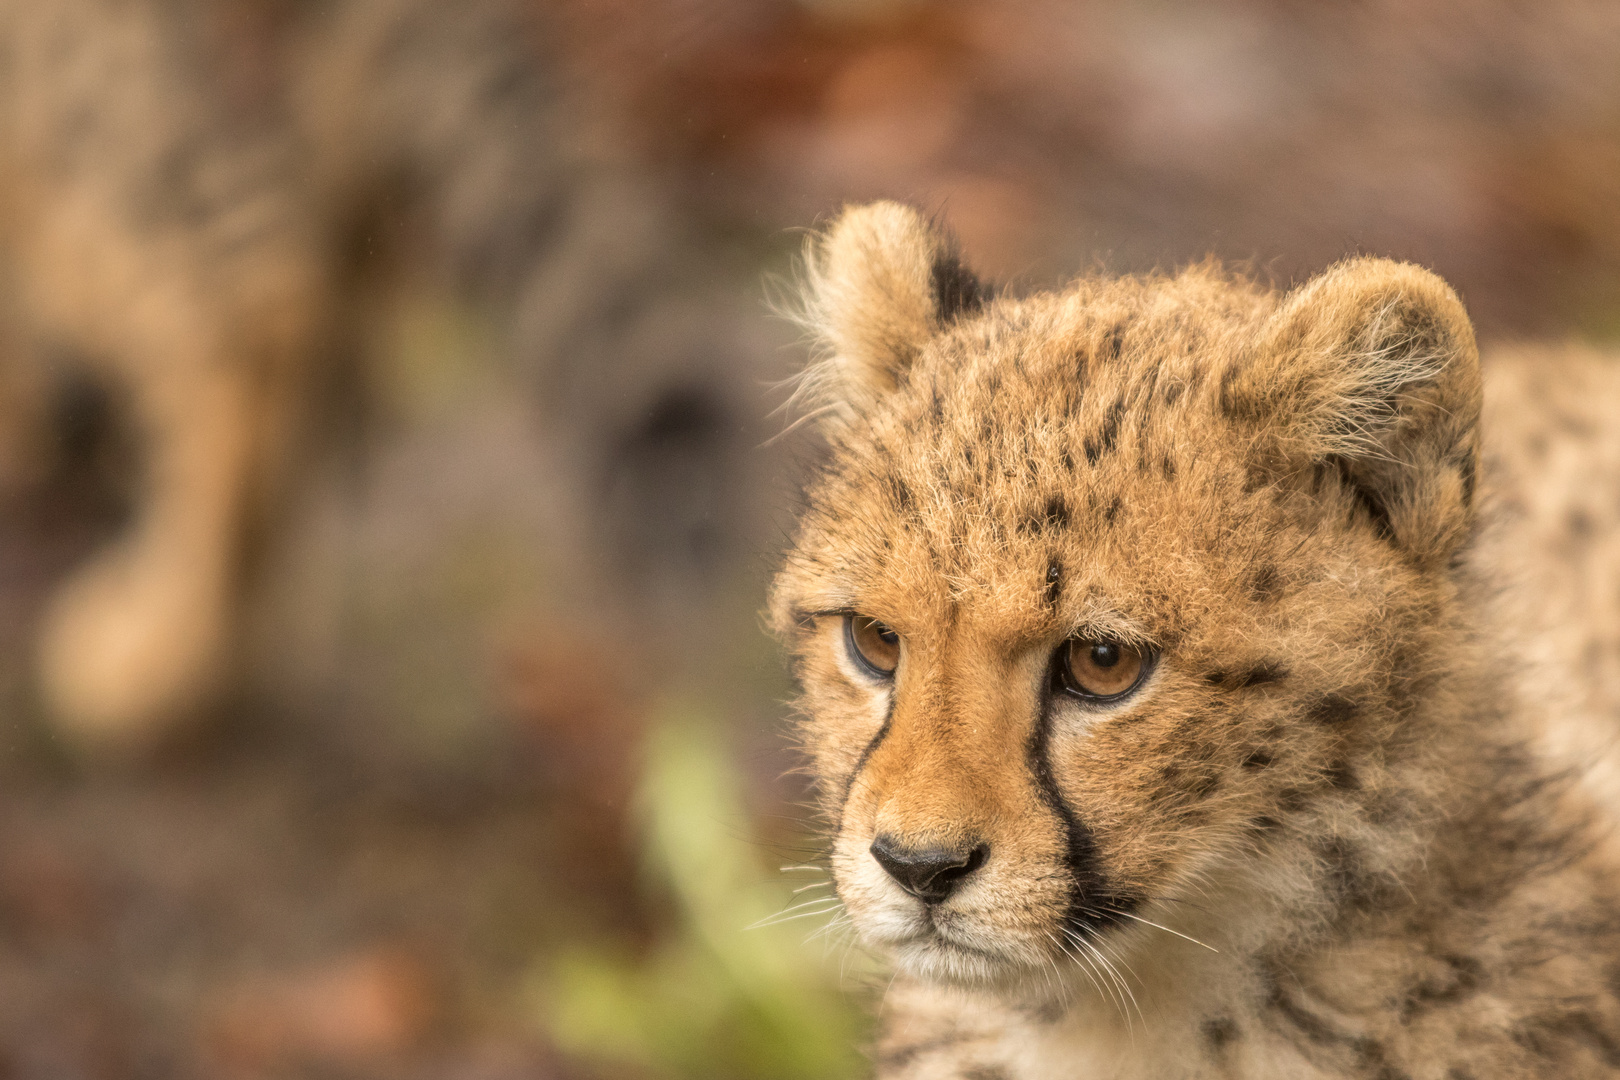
[(1369, 373), (879, 283)]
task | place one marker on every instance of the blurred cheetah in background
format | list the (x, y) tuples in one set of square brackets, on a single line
[(200, 205)]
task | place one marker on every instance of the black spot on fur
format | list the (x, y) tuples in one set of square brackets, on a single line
[(1371, 1056), (1347, 879), (1459, 979), (1466, 468), (1267, 671), (1168, 467), (1368, 501), (1332, 710), (900, 493), (1115, 505), (1109, 435), (1265, 584), (1234, 406), (1115, 345), (1293, 799), (901, 1056), (1219, 1031), (1263, 824), (956, 290), (1172, 393), (1057, 512), (1342, 775), (1054, 583), (1551, 1036), (1202, 785), (1258, 759)]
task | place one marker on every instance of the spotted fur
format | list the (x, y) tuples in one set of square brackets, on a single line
[(1322, 838)]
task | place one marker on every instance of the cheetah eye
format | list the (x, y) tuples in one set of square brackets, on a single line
[(872, 645), (1099, 669)]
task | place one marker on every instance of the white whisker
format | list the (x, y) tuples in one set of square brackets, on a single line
[(1166, 929)]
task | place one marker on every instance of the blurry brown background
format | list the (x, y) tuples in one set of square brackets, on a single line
[(504, 778)]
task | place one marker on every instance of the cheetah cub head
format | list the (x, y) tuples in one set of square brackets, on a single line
[(1120, 612)]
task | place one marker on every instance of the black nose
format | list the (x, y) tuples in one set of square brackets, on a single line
[(929, 874)]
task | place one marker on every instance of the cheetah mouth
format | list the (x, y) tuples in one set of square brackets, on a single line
[(938, 949)]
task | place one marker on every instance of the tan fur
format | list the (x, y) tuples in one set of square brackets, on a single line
[(1321, 839), (186, 188)]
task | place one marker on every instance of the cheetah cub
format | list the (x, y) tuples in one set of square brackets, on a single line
[(1154, 692)]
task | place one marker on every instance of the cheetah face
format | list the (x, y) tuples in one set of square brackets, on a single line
[(1108, 604)]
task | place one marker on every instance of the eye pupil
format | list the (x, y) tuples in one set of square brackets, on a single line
[(1101, 670), (872, 645)]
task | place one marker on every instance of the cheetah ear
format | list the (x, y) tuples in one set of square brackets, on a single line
[(879, 283), (1370, 374)]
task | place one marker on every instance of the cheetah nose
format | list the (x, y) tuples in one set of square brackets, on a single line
[(929, 874)]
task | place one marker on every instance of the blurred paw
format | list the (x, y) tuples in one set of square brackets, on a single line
[(130, 648)]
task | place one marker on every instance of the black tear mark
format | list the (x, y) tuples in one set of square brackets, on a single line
[(860, 763), (1267, 671), (957, 291), (1054, 583), (1093, 905), (1332, 710)]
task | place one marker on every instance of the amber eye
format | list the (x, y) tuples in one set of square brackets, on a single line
[(873, 645), (1100, 669)]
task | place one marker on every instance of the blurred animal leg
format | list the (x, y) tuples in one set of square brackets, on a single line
[(141, 637)]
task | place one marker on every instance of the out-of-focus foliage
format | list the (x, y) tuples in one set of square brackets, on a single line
[(734, 991)]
